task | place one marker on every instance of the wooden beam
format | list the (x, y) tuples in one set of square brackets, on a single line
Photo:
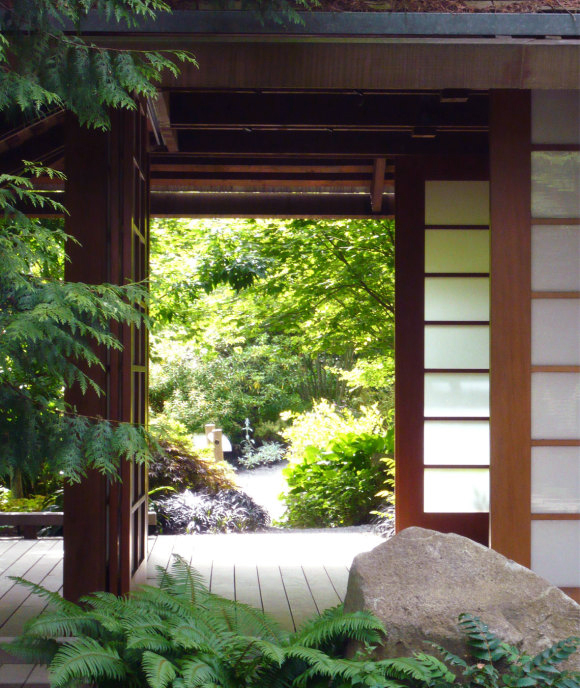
[(352, 110), (510, 400), (161, 105), (266, 205), (330, 143), (45, 148), (380, 64), (378, 184)]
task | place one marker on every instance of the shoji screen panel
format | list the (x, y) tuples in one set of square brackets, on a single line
[(456, 347), (555, 340)]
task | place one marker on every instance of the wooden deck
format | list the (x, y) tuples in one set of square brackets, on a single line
[(291, 576)]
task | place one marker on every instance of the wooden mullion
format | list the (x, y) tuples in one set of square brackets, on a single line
[(457, 274), (451, 466), (458, 371), (555, 295), (458, 227), (555, 443), (556, 221), (555, 147), (556, 369), (433, 419), (458, 323)]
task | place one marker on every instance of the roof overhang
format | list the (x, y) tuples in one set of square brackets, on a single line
[(362, 50)]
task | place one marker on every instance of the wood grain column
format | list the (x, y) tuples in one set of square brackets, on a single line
[(85, 504), (510, 177), (409, 341)]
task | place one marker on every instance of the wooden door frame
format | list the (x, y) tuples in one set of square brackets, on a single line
[(410, 176)]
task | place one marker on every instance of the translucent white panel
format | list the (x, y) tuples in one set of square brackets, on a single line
[(457, 203), (460, 442), (555, 116), (456, 346), (556, 331), (555, 406), (456, 250), (456, 298), (449, 395), (456, 490), (556, 258), (555, 480), (555, 184), (556, 552)]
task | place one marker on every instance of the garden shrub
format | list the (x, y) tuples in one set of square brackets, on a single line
[(337, 486), (324, 422), (178, 466), (202, 512), (32, 503), (267, 454), (195, 386)]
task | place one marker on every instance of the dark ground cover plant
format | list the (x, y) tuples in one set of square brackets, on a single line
[(176, 465), (226, 511), (180, 636), (338, 485)]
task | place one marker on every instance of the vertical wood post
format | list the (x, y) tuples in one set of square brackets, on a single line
[(409, 344), (105, 523), (218, 449), (510, 167), (85, 504)]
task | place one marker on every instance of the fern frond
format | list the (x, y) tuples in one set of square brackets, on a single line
[(159, 671), (85, 660)]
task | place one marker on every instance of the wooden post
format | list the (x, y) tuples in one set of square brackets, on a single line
[(218, 450), (105, 523), (85, 504), (510, 167)]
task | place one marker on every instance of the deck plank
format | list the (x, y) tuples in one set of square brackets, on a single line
[(273, 596), (338, 576), (300, 600), (222, 580), (321, 588), (247, 586)]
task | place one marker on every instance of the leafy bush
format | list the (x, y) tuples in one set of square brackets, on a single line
[(33, 503), (182, 636), (324, 422), (268, 453), (337, 486), (176, 465), (257, 381), (202, 512)]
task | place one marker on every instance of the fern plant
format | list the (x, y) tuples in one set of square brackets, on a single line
[(181, 635), (500, 664)]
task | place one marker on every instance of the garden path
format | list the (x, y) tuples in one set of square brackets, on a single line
[(263, 485), (292, 575)]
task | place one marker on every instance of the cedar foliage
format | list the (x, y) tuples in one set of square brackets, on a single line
[(48, 331), (49, 328)]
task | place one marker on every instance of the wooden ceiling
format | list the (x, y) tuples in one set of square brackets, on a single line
[(286, 153)]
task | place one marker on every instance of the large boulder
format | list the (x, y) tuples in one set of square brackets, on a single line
[(419, 581)]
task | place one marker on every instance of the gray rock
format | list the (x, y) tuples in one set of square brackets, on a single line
[(419, 582)]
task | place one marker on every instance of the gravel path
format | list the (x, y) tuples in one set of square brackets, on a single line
[(263, 485)]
